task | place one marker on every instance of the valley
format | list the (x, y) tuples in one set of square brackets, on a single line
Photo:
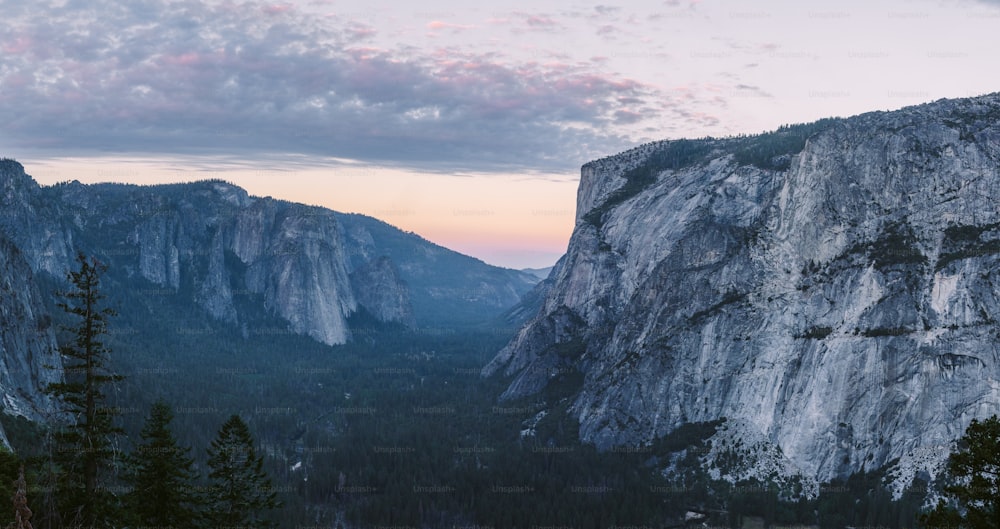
[(785, 329)]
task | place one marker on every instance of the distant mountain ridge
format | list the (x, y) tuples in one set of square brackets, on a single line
[(830, 289), (213, 242), (540, 273)]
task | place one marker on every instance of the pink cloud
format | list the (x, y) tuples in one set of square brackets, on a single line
[(18, 46), (538, 21), (360, 32), (184, 59), (438, 25), (299, 72), (278, 9)]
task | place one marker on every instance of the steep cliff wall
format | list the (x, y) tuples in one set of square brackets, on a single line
[(830, 288), (29, 358)]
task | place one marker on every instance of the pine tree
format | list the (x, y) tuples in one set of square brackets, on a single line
[(162, 477), (975, 473), (84, 449), (22, 514), (240, 489)]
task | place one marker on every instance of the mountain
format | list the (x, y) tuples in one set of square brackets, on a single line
[(540, 273), (830, 289), (29, 357), (231, 255)]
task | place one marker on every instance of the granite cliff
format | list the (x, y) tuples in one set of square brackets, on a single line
[(29, 358), (831, 289)]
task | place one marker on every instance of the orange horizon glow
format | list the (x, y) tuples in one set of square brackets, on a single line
[(514, 221)]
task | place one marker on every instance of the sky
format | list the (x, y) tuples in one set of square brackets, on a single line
[(465, 123)]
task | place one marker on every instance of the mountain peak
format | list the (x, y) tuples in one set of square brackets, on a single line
[(10, 165), (13, 177)]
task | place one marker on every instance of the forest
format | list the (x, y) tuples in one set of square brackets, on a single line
[(209, 427)]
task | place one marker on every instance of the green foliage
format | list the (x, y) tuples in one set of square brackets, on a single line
[(965, 232), (9, 467), (26, 437), (240, 490), (669, 155), (885, 331), (864, 500), (965, 241), (861, 500), (974, 472), (773, 150), (84, 450), (568, 350), (730, 297), (768, 151), (970, 121), (896, 246), (398, 428), (692, 434), (161, 476), (817, 333)]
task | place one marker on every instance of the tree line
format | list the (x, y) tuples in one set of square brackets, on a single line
[(84, 477)]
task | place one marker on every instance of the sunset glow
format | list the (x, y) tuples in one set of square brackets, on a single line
[(463, 123)]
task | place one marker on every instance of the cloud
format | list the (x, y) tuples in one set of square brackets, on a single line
[(607, 29), (439, 25), (277, 9), (627, 116), (358, 32), (535, 21), (679, 3), (752, 91), (188, 77)]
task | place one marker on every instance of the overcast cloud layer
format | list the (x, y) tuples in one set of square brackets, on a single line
[(443, 85), (189, 76)]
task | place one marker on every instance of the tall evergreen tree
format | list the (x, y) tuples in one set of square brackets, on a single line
[(974, 470), (162, 476), (84, 449), (240, 490), (22, 514)]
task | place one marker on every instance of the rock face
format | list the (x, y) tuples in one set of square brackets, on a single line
[(382, 292), (835, 287), (213, 244), (29, 357)]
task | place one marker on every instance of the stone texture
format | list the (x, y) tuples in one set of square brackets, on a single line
[(840, 297)]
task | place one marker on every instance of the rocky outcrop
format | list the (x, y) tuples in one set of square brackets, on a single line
[(35, 226), (831, 286), (382, 293)]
